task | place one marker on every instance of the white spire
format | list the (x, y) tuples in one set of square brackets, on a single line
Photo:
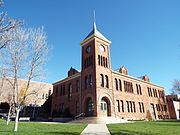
[(94, 25), (95, 32)]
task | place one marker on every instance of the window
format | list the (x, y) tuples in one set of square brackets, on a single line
[(90, 81), (43, 96), (61, 91), (102, 80), (134, 107), (117, 106), (64, 90), (106, 63), (46, 96), (128, 87), (77, 85), (106, 82), (70, 92), (141, 107), (120, 85), (116, 83), (56, 90), (49, 92), (138, 87), (127, 103), (86, 82), (77, 107), (99, 59), (121, 106)]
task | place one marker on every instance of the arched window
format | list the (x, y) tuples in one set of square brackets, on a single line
[(106, 82), (120, 85), (116, 83), (102, 80), (70, 92)]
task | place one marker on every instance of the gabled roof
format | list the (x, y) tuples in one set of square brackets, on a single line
[(95, 32)]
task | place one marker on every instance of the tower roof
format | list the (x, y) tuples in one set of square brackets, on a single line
[(96, 33)]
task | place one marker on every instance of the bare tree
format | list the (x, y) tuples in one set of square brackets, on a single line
[(23, 58), (6, 24), (176, 87)]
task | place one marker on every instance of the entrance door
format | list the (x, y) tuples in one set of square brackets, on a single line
[(153, 111), (104, 108), (90, 108)]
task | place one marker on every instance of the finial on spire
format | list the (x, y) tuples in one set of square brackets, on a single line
[(94, 26)]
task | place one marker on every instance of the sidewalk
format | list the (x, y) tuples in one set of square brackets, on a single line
[(96, 129)]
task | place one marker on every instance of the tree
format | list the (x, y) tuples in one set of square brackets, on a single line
[(6, 24), (24, 58), (176, 87)]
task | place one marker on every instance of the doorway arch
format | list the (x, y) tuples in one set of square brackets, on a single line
[(105, 107)]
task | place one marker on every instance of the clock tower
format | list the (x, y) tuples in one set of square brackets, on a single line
[(96, 82)]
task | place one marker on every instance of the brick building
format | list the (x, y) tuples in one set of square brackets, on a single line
[(97, 90)]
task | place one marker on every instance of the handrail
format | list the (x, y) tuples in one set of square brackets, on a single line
[(79, 115)]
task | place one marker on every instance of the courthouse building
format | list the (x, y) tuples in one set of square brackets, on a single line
[(99, 91)]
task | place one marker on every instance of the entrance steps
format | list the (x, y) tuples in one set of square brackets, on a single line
[(100, 120)]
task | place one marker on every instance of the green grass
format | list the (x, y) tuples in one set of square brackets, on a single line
[(36, 128), (146, 128)]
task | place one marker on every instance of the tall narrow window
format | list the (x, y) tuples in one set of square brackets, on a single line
[(140, 90), (64, 90), (86, 82), (90, 81), (121, 106), (106, 63), (49, 92), (61, 91), (127, 103), (137, 88), (106, 81), (118, 106), (77, 85), (134, 107), (116, 83), (140, 106), (99, 60), (120, 85), (102, 80), (70, 92)]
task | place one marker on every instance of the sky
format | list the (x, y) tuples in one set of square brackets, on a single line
[(145, 34)]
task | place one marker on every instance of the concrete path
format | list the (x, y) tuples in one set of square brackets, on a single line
[(96, 129)]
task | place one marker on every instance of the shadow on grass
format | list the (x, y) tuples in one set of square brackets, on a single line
[(61, 133), (127, 132)]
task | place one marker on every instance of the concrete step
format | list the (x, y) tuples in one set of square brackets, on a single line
[(100, 120)]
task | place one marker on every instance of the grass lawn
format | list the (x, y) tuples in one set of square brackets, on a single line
[(35, 128), (146, 128)]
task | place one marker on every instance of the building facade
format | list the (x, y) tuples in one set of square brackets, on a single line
[(173, 102), (97, 90)]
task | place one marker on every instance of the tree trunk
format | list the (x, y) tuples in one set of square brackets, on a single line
[(7, 122), (16, 120)]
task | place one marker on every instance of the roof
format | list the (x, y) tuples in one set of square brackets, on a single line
[(95, 32)]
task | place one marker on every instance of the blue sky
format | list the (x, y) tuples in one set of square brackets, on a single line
[(145, 34)]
